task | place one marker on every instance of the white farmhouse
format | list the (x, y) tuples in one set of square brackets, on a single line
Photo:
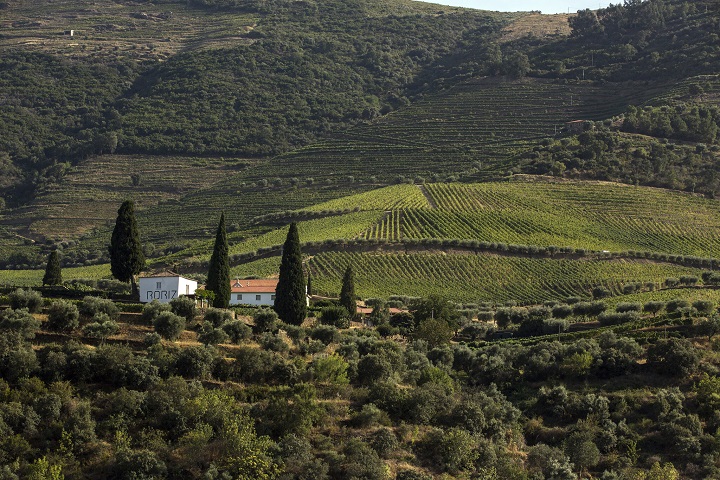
[(255, 292), (164, 287)]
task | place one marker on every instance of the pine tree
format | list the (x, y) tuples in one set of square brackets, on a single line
[(126, 255), (53, 273), (218, 280), (290, 300), (347, 293)]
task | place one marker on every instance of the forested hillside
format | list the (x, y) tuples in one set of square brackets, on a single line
[(287, 104), (252, 79)]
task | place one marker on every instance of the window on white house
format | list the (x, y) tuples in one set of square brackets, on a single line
[(187, 289), (272, 297), (258, 297), (158, 285), (239, 296)]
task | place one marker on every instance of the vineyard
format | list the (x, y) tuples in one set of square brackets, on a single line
[(445, 134), (33, 278), (472, 278), (584, 215), (92, 192), (441, 137)]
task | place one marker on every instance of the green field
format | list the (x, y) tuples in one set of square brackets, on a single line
[(472, 278), (33, 278)]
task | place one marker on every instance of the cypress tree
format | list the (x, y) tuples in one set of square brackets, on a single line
[(126, 255), (290, 301), (347, 293), (218, 280), (53, 273)]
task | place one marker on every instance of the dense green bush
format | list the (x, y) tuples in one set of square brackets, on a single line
[(151, 310), (63, 316), (93, 305), (29, 299), (237, 331), (169, 325), (218, 317), (101, 326), (335, 316), (20, 322), (184, 307), (266, 320)]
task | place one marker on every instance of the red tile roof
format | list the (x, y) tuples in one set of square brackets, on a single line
[(253, 286)]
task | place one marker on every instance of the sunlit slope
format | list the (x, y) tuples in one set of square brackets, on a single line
[(471, 278), (541, 211)]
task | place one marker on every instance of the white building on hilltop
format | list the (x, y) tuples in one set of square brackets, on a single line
[(165, 287), (254, 292)]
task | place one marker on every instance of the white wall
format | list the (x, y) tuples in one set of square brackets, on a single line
[(165, 289), (252, 299)]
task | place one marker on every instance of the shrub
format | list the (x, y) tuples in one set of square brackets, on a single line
[(20, 321), (266, 320), (151, 310), (63, 316), (151, 339), (452, 451), (628, 307), (384, 442), (704, 307), (601, 292), (335, 316), (213, 336), (653, 306), (218, 317), (93, 305), (273, 342), (169, 325), (184, 307), (676, 304), (369, 416), (138, 464), (562, 311), (195, 362), (102, 326), (327, 334), (673, 356), (609, 318), (237, 331), (29, 299)]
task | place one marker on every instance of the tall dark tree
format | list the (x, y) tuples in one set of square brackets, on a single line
[(53, 273), (347, 292), (126, 255), (218, 279), (290, 300)]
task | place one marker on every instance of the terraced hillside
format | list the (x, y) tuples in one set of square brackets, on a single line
[(470, 277), (409, 238), (545, 212), (479, 124)]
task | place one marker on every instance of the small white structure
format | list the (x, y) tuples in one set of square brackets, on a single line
[(253, 292), (164, 287)]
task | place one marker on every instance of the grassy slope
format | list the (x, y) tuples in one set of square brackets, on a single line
[(527, 211), (471, 278)]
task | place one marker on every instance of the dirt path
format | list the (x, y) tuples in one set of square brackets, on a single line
[(428, 197)]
